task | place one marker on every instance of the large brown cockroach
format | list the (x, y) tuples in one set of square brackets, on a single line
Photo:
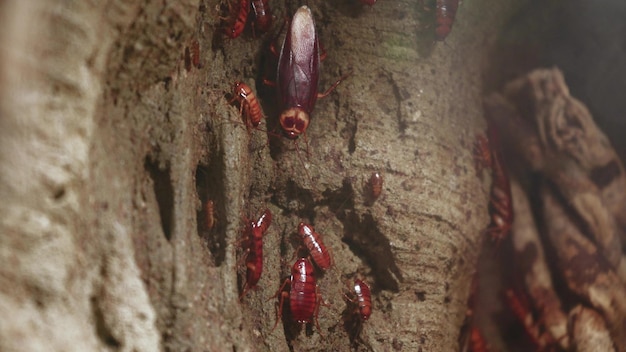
[(298, 74)]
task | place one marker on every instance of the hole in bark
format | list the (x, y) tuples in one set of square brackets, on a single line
[(59, 193), (340, 199), (210, 223), (421, 296), (367, 242), (300, 201), (164, 192), (349, 132)]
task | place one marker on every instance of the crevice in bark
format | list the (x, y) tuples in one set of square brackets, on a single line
[(102, 331), (164, 192), (210, 221), (366, 241)]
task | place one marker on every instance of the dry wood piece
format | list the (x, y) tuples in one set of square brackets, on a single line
[(586, 271), (555, 134), (578, 188), (588, 330), (531, 263)]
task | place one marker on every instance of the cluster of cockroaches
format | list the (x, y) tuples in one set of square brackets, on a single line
[(297, 76), (303, 295), (487, 154), (297, 88)]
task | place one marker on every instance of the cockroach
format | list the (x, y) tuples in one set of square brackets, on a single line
[(446, 10), (359, 309), (313, 242), (249, 106), (298, 74), (253, 237), (238, 16), (262, 15), (363, 298), (487, 155), (477, 341), (519, 306), (209, 214), (375, 185), (195, 54), (304, 296)]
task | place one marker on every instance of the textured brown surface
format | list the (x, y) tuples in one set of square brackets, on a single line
[(110, 140)]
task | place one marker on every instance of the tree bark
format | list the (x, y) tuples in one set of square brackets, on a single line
[(111, 142)]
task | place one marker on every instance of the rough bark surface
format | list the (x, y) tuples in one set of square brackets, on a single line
[(110, 142)]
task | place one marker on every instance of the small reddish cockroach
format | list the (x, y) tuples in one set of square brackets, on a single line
[(446, 10), (477, 341), (298, 74), (359, 309), (519, 306), (364, 299), (237, 18), (375, 185), (304, 296), (253, 243), (209, 214), (313, 242), (487, 155), (264, 221), (262, 15), (195, 53), (249, 106)]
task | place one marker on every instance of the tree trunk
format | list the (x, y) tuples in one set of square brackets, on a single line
[(113, 140)]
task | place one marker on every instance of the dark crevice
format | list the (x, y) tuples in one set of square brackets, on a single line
[(602, 176), (102, 330), (372, 246), (164, 192), (349, 132), (209, 226), (363, 236), (340, 199), (300, 201)]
